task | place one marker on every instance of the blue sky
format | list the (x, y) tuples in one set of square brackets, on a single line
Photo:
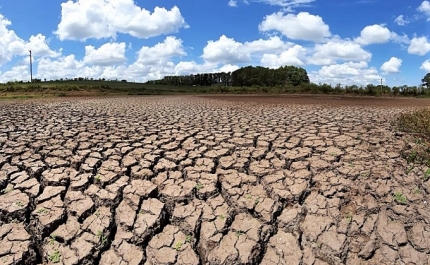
[(347, 42)]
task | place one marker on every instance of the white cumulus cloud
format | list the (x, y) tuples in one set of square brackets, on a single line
[(107, 54), (425, 8), (419, 46), (86, 19), (225, 50), (348, 73), (303, 26), (392, 65), (374, 34), (292, 56), (338, 50), (426, 66)]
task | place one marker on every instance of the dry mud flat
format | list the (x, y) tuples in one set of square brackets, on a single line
[(186, 180)]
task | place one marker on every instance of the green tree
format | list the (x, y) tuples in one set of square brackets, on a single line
[(426, 81)]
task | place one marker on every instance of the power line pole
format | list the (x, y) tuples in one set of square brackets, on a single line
[(31, 68)]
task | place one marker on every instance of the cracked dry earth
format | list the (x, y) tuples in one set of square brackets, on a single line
[(188, 180)]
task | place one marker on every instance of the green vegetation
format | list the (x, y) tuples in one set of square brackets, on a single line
[(42, 211), (178, 245), (349, 217), (426, 175), (239, 233), (97, 178), (399, 197), (221, 216), (19, 204), (246, 80), (52, 239), (55, 257), (188, 239), (199, 186), (102, 238)]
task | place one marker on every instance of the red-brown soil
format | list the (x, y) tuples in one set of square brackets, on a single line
[(210, 180)]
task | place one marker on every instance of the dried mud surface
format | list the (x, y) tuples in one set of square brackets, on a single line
[(218, 180)]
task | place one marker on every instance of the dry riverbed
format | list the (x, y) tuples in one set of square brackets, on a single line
[(210, 180)]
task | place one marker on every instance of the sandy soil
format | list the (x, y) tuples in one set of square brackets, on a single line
[(210, 180)]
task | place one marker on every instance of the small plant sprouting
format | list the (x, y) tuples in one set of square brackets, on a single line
[(257, 200), (222, 217), (143, 212), (417, 191), (102, 238), (199, 186), (426, 175), (239, 233), (97, 178), (349, 217), (42, 210), (399, 197), (188, 239), (19, 204), (248, 196), (97, 213), (55, 257), (351, 164), (178, 245), (52, 239)]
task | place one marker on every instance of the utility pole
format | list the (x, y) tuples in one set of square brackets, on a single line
[(31, 68)]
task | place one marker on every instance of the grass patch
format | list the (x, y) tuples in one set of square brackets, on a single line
[(416, 123), (55, 257), (399, 197)]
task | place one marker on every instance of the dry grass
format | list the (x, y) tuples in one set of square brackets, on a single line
[(418, 124)]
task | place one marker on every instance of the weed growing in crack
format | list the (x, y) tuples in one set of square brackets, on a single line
[(97, 213), (248, 196), (188, 239), (426, 175), (417, 191), (178, 246), (102, 238), (222, 217), (199, 186), (42, 211), (97, 178), (349, 217), (55, 257), (52, 239), (257, 200), (399, 197), (143, 212), (19, 204), (239, 233), (351, 164)]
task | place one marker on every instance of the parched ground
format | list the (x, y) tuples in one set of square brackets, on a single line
[(210, 180)]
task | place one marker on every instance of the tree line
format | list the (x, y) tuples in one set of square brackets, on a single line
[(245, 76)]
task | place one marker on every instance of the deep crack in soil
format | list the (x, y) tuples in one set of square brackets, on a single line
[(210, 180)]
